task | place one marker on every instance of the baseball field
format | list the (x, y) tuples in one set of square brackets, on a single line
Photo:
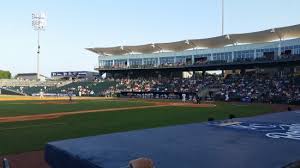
[(27, 123)]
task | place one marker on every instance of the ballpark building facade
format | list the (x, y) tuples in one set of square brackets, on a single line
[(275, 44)]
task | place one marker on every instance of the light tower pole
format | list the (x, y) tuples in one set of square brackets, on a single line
[(39, 23)]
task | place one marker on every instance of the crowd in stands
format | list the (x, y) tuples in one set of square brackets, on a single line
[(252, 88), (164, 85), (81, 89), (271, 89), (266, 88)]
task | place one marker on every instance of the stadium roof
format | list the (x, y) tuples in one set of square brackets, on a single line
[(214, 42)]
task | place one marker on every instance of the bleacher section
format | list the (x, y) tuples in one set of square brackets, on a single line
[(86, 88), (27, 83), (80, 88), (282, 87), (28, 90), (28, 87), (6, 91)]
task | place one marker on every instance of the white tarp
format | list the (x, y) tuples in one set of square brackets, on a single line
[(214, 42)]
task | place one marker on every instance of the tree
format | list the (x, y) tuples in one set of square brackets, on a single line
[(5, 74)]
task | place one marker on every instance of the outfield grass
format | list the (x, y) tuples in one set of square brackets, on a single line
[(28, 136), (15, 108)]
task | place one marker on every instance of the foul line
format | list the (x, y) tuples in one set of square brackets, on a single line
[(60, 114)]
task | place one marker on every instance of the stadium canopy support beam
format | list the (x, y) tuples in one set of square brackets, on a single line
[(280, 37)]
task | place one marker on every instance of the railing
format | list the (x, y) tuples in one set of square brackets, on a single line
[(205, 63)]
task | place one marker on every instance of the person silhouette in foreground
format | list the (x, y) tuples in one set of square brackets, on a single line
[(141, 163), (5, 163)]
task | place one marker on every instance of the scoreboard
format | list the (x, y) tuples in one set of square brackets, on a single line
[(73, 74)]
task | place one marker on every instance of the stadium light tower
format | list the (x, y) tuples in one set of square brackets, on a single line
[(39, 23)]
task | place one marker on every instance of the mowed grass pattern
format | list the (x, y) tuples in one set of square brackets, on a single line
[(29, 136), (16, 108)]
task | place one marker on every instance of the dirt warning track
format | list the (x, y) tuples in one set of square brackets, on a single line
[(61, 114)]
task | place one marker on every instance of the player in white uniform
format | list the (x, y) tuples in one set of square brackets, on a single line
[(183, 97), (41, 94)]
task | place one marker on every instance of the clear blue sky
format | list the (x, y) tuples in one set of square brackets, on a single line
[(77, 24)]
